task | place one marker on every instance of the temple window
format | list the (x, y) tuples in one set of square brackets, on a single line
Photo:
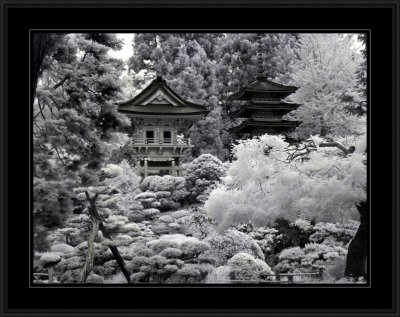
[(150, 136), (167, 136)]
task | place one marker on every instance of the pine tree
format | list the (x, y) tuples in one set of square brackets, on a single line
[(75, 120)]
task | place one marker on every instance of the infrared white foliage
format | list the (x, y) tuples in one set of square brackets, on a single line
[(50, 258), (302, 224), (309, 258), (327, 74), (262, 184), (245, 267), (223, 247), (62, 247)]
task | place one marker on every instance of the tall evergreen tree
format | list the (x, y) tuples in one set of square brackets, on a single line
[(206, 68), (75, 120)]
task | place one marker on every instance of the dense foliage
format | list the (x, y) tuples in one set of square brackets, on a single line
[(263, 183), (278, 205)]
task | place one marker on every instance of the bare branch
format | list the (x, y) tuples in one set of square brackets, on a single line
[(61, 82), (346, 151), (59, 156)]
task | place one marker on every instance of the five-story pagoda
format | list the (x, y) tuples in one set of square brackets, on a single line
[(264, 108)]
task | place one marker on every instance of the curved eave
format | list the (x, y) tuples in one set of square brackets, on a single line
[(246, 110), (188, 107), (166, 114), (250, 125), (247, 93), (156, 84), (261, 79)]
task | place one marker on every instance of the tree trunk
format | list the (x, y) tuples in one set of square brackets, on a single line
[(39, 46), (358, 248), (115, 252), (87, 268), (93, 212)]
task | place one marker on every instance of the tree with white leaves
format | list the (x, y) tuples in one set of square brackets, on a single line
[(327, 72), (315, 180)]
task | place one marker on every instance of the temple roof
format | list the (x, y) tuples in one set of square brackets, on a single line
[(263, 87), (159, 99), (250, 125), (282, 108)]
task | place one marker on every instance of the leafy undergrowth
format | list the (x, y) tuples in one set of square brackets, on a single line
[(185, 247)]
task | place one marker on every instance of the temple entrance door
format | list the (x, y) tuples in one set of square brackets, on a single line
[(164, 172)]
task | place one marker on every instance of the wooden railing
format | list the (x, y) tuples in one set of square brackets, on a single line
[(277, 278), (141, 141)]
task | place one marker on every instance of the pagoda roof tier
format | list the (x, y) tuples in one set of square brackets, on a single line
[(159, 99), (250, 125), (246, 110), (262, 87)]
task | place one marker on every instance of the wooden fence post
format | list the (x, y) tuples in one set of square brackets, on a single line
[(277, 276), (51, 275), (290, 278), (320, 273)]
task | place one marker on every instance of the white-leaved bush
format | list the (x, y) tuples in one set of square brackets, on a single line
[(243, 266), (309, 258), (123, 183), (327, 73), (334, 233), (166, 192), (262, 184), (231, 242)]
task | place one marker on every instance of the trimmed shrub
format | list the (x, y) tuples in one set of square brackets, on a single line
[(202, 174), (223, 247), (245, 267), (309, 258)]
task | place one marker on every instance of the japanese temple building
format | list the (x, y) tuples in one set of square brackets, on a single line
[(263, 108), (159, 117)]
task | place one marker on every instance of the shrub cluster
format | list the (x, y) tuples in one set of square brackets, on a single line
[(173, 259), (202, 175), (309, 258), (225, 246)]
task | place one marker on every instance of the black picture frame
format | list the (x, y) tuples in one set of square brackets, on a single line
[(379, 19)]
